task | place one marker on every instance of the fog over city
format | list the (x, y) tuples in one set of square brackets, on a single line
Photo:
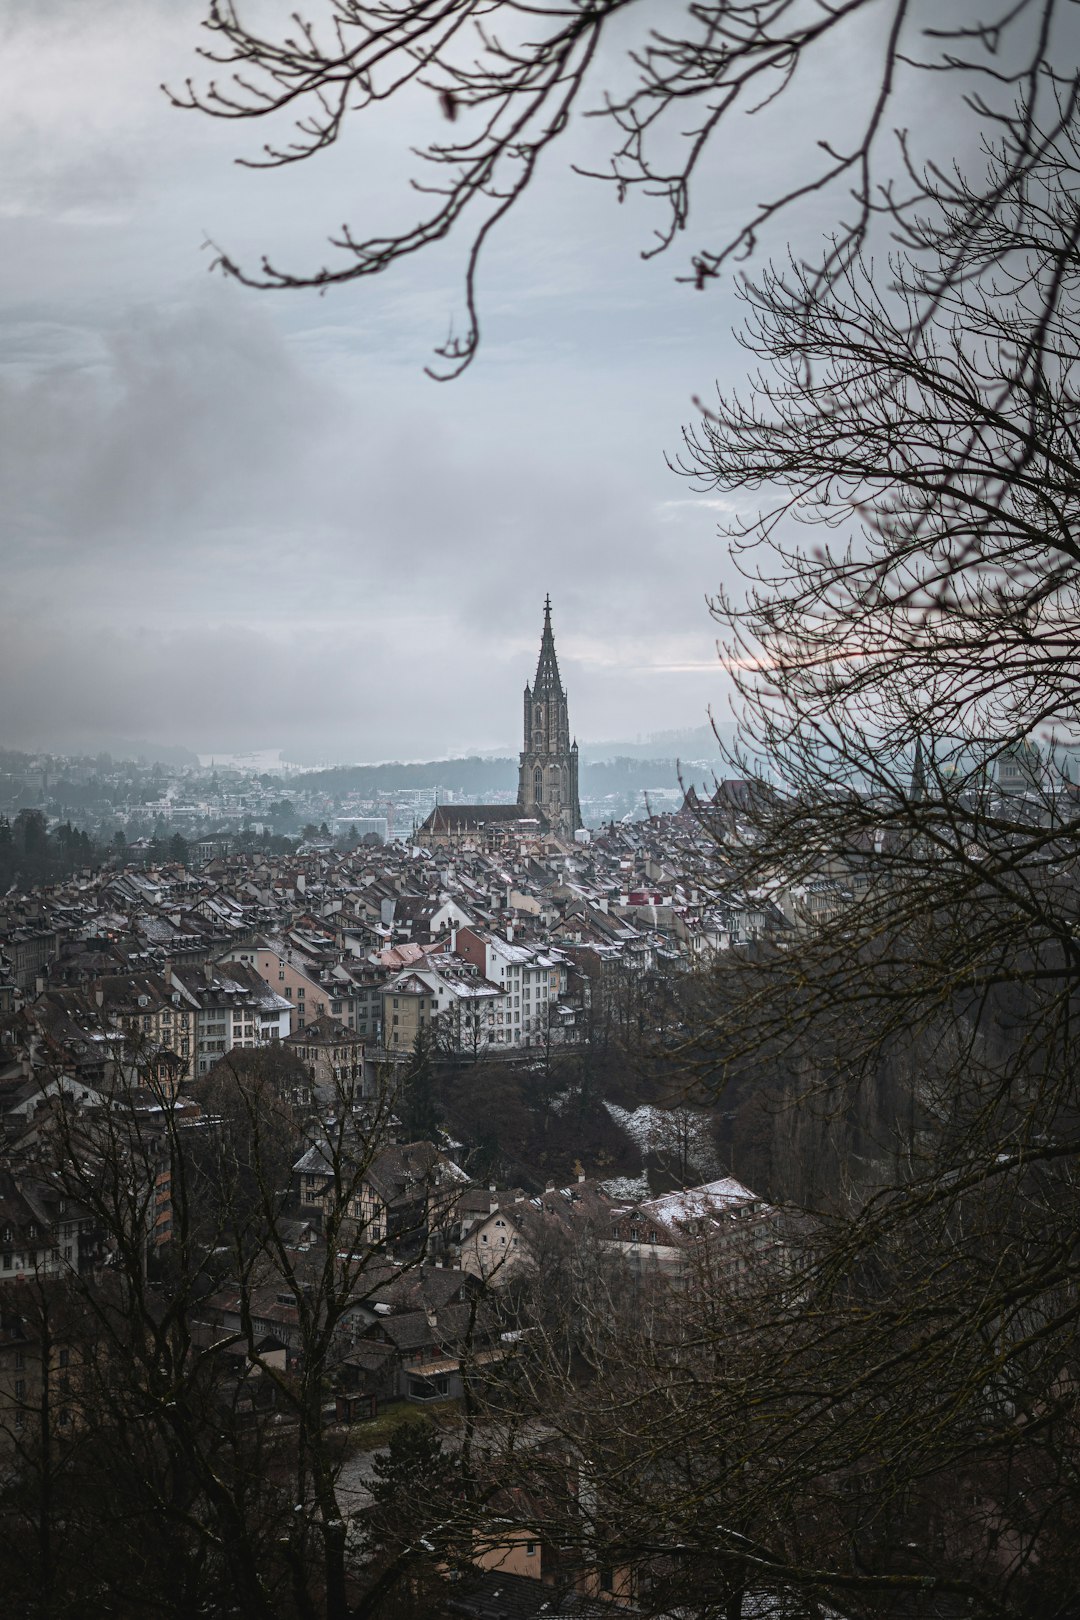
[(236, 520)]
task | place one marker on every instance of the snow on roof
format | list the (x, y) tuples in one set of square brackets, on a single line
[(697, 1203)]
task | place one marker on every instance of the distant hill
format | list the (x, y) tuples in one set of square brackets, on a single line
[(119, 750), (473, 776), (693, 742), (124, 748), (476, 779)]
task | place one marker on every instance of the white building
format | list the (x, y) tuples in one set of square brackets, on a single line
[(532, 977), (234, 1007)]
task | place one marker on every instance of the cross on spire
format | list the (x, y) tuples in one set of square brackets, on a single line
[(547, 668)]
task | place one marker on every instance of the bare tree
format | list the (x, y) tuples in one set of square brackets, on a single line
[(199, 1471), (908, 697), (506, 80)]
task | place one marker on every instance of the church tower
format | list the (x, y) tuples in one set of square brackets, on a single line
[(548, 777)]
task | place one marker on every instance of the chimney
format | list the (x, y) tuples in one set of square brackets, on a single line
[(581, 1177), (208, 972), (432, 1319)]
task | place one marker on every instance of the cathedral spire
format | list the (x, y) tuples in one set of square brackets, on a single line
[(547, 668), (548, 772)]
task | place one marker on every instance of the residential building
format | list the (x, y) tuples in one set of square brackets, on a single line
[(233, 1007), (333, 1057), (533, 980)]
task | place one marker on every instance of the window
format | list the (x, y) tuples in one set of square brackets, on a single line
[(20, 1359), (20, 1389)]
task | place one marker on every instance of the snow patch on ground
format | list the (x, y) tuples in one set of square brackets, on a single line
[(679, 1134), (641, 1126)]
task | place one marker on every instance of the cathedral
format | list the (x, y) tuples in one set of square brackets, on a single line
[(548, 769), (548, 775)]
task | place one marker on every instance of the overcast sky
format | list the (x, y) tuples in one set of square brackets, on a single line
[(236, 520)]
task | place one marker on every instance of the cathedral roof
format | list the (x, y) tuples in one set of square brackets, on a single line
[(462, 817)]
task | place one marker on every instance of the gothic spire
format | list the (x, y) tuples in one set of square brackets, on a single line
[(547, 668)]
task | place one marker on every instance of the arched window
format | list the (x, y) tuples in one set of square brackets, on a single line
[(538, 783)]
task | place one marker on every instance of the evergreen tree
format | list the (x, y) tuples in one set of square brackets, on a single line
[(419, 1110), (30, 834), (412, 1493)]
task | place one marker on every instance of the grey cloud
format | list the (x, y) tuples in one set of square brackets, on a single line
[(188, 414), (228, 519), (204, 521)]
